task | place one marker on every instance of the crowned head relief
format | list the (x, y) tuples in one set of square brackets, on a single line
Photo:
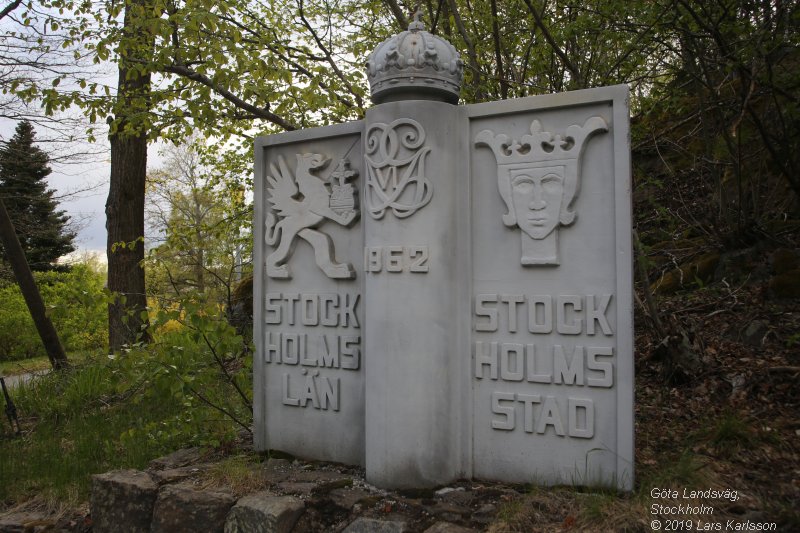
[(536, 199), (538, 180)]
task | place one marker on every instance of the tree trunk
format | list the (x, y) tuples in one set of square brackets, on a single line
[(127, 317), (52, 344), (125, 248)]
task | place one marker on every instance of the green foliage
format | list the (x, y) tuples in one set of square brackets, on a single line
[(40, 227), (204, 365), (184, 389), (77, 306), (197, 203), (793, 340), (731, 433)]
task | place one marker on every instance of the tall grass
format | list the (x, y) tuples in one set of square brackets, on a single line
[(107, 414)]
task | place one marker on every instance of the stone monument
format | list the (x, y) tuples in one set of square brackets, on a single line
[(445, 291)]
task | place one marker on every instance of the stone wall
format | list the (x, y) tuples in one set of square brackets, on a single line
[(175, 494)]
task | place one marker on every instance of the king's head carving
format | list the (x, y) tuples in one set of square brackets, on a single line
[(538, 180)]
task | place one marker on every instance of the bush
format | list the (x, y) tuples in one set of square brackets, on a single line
[(190, 387), (76, 303)]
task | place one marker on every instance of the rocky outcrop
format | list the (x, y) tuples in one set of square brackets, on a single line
[(447, 527), (372, 525)]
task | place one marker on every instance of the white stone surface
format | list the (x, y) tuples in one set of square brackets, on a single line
[(416, 270), (308, 368), (533, 420), (459, 232)]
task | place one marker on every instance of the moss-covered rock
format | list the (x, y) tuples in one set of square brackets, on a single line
[(240, 313), (786, 285), (662, 253), (700, 270)]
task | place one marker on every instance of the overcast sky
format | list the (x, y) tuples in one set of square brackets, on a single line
[(82, 186)]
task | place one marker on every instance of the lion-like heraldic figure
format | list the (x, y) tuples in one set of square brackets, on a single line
[(302, 205)]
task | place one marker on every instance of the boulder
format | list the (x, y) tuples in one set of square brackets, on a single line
[(372, 525), (783, 260), (173, 475), (240, 312), (122, 501), (299, 488), (347, 498), (755, 332), (176, 459), (263, 512), (447, 527), (701, 270), (786, 284), (26, 522), (183, 509)]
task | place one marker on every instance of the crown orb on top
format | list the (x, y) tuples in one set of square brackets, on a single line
[(415, 65)]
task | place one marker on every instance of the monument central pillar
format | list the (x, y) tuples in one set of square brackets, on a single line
[(415, 260)]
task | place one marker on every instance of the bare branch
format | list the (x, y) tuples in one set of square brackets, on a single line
[(570, 66), (473, 56), (263, 113), (328, 56), (9, 8), (498, 52), (398, 13)]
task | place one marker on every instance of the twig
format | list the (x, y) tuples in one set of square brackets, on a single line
[(218, 408), (648, 294), (473, 56), (225, 371), (209, 402), (573, 69)]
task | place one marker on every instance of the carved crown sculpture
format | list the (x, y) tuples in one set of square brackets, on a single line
[(415, 63), (541, 148), (541, 145)]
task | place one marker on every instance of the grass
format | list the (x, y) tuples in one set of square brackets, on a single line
[(101, 415), (24, 366), (70, 435), (241, 474), (35, 364), (686, 470), (731, 433)]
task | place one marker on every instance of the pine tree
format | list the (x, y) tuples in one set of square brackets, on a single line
[(41, 228)]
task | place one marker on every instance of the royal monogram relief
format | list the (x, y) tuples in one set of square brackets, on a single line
[(303, 202), (538, 178), (395, 160)]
